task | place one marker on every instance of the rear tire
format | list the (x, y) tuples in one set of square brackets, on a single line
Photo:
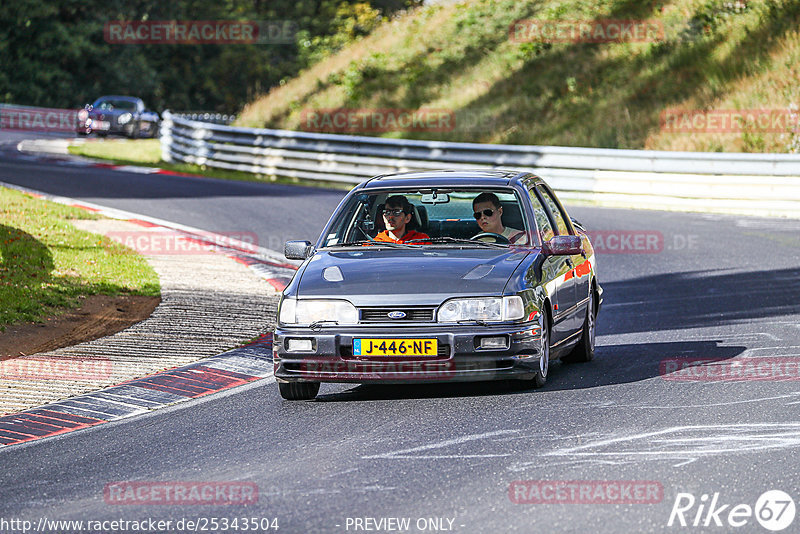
[(584, 350), (298, 390)]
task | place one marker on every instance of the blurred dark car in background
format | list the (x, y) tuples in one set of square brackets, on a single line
[(124, 115)]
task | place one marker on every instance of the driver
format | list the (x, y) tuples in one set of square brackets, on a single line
[(397, 213), (488, 213)]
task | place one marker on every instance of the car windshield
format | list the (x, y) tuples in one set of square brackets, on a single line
[(444, 216), (112, 104)]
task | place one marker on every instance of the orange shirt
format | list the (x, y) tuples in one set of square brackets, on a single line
[(409, 236)]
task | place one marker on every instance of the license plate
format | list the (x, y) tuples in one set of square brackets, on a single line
[(395, 347), (102, 125)]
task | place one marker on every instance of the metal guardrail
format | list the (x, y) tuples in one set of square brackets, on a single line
[(205, 116), (757, 184)]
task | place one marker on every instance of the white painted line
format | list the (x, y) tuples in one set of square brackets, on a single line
[(719, 439), (136, 169), (404, 453)]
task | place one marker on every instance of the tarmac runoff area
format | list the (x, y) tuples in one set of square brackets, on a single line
[(211, 303)]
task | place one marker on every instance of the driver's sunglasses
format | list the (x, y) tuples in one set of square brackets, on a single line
[(487, 212), (395, 212)]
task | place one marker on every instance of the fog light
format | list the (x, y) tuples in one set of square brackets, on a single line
[(299, 345), (500, 342)]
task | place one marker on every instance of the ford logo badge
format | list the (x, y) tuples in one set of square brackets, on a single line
[(396, 315)]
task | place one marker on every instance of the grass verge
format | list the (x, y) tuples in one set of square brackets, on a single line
[(147, 153), (46, 264)]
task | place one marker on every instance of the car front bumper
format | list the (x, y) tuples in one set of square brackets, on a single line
[(459, 359)]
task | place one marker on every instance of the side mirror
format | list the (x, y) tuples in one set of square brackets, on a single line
[(297, 250), (577, 224), (563, 245)]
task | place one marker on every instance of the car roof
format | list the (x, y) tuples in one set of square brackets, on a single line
[(448, 177)]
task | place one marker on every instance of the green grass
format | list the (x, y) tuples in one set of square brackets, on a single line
[(46, 263), (143, 151), (147, 153), (715, 55)]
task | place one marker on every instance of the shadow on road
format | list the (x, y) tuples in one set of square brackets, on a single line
[(616, 364), (673, 301)]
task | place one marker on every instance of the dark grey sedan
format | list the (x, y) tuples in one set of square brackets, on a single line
[(125, 115), (447, 301)]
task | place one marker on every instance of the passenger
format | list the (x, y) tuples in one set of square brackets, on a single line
[(488, 212), (397, 213)]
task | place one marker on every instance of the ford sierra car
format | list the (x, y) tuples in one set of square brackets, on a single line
[(456, 303)]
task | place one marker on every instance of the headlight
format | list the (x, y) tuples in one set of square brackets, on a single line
[(124, 118), (481, 309), (307, 311)]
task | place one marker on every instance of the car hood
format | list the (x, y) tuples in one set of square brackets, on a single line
[(372, 277)]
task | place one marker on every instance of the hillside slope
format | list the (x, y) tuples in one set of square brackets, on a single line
[(501, 86)]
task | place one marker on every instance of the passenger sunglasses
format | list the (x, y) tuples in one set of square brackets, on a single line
[(478, 214), (396, 212)]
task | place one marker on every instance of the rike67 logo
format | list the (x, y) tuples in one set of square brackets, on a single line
[(774, 510)]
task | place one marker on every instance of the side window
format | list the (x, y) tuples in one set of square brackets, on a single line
[(542, 222), (563, 229)]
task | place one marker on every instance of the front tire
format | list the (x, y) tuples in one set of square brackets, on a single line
[(584, 350), (298, 390), (544, 357)]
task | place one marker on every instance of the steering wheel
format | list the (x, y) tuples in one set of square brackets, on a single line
[(498, 238)]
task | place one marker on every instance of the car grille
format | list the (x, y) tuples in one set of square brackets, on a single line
[(443, 351), (381, 315)]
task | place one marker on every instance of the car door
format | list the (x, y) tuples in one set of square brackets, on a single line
[(569, 320), (555, 270)]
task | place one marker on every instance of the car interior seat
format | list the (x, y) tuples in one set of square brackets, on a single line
[(512, 216)]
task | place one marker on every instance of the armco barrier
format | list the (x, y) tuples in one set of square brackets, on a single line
[(205, 116), (755, 184)]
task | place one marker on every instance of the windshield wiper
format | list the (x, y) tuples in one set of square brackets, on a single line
[(371, 242), (448, 239)]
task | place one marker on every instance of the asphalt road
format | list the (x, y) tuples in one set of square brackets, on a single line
[(446, 455)]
